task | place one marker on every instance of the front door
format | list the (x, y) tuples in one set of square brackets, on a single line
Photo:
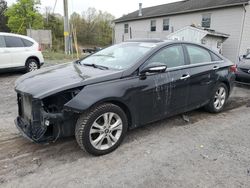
[(163, 94)]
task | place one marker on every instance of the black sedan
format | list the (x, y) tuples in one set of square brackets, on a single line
[(122, 87), (243, 70)]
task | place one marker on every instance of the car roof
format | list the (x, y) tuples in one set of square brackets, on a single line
[(162, 43), (17, 35)]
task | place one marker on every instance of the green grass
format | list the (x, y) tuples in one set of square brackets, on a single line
[(57, 56), (54, 58)]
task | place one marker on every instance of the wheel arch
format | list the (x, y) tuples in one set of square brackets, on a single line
[(114, 101), (33, 57), (124, 107), (227, 85)]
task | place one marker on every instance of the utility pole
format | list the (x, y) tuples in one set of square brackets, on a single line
[(66, 26)]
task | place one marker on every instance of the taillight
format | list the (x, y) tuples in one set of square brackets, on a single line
[(233, 68)]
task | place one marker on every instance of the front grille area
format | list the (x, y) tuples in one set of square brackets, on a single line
[(24, 107), (29, 110)]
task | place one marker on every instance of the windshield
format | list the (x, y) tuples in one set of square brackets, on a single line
[(120, 56)]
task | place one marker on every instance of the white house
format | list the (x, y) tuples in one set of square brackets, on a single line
[(225, 16), (205, 36)]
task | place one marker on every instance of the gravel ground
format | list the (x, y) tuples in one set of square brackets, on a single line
[(208, 151)]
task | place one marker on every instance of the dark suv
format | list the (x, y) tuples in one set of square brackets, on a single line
[(122, 87), (243, 69)]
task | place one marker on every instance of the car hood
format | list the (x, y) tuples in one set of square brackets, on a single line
[(52, 80)]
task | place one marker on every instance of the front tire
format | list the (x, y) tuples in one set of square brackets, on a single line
[(101, 129), (218, 99)]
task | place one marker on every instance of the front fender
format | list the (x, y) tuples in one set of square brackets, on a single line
[(119, 91)]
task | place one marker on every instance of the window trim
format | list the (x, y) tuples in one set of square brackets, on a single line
[(151, 21)]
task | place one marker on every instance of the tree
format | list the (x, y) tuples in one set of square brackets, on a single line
[(55, 24), (24, 15), (3, 18), (93, 27)]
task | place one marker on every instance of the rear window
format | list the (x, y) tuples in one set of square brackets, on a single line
[(198, 54), (27, 43), (13, 42), (2, 42), (215, 57)]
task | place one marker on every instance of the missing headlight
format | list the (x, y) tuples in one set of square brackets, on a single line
[(55, 103)]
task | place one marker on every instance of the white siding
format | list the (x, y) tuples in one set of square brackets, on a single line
[(245, 43), (227, 20)]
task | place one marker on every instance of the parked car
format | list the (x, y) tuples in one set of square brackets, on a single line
[(19, 52), (243, 69), (122, 87), (91, 50)]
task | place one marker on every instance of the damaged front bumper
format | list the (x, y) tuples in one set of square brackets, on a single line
[(45, 130), (40, 126)]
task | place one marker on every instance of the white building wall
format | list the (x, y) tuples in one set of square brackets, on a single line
[(227, 20), (245, 43)]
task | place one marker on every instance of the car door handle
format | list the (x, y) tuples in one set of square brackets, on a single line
[(184, 77), (216, 67)]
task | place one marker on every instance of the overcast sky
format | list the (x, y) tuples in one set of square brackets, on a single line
[(115, 7)]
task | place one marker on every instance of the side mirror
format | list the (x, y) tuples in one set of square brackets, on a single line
[(154, 68), (244, 56)]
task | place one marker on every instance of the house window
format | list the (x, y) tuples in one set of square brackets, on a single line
[(206, 20), (166, 24), (153, 25), (125, 28)]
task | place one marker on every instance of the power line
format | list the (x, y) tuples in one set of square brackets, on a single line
[(54, 6)]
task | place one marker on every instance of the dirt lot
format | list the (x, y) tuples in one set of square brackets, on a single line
[(208, 151)]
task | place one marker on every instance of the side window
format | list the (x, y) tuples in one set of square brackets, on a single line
[(198, 54), (13, 42), (171, 56), (215, 57), (206, 20), (166, 24), (2, 42), (153, 25), (125, 28), (27, 43)]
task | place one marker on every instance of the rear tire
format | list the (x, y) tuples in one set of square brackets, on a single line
[(101, 129), (32, 65), (218, 99)]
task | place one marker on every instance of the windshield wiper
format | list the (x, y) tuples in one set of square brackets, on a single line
[(97, 66)]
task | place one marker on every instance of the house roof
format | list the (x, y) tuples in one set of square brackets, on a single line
[(211, 32), (180, 7)]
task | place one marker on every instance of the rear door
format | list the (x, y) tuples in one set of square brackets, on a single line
[(203, 68), (5, 57), (17, 49)]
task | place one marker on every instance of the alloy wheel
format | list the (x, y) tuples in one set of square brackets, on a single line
[(32, 66), (106, 131), (220, 98)]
